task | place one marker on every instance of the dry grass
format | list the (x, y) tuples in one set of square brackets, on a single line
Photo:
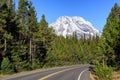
[(23, 72), (93, 76), (2, 76), (117, 75)]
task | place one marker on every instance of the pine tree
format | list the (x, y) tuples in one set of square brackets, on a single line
[(23, 19), (23, 40), (43, 40), (32, 29), (4, 20), (6, 66), (9, 29), (111, 35)]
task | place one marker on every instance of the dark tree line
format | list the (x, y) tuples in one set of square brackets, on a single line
[(24, 42)]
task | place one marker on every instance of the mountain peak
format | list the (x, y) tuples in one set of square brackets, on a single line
[(66, 26)]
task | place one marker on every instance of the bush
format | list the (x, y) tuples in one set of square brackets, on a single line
[(103, 72), (6, 67)]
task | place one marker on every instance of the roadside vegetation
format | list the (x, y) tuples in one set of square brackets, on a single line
[(27, 44), (103, 72), (109, 47)]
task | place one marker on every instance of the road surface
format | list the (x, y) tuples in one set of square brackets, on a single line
[(79, 72)]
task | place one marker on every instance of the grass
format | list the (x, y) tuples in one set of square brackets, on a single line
[(117, 75), (22, 72), (93, 76)]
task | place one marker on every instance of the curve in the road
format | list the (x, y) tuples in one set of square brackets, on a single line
[(60, 72), (82, 73), (45, 77)]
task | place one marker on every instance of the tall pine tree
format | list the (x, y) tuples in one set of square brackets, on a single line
[(23, 40), (111, 36), (32, 29), (8, 30)]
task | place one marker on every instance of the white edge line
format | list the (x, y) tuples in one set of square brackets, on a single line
[(82, 73)]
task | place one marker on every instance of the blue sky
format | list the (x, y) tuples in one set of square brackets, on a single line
[(94, 11)]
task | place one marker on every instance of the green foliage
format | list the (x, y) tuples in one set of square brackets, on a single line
[(111, 37), (43, 40), (103, 72), (6, 66), (68, 51), (22, 16)]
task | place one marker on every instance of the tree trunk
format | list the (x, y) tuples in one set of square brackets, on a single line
[(30, 51), (33, 55), (5, 44), (103, 60)]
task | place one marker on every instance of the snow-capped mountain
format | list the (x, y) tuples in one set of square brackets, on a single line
[(66, 26)]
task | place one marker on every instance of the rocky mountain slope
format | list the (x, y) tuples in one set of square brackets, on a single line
[(67, 26)]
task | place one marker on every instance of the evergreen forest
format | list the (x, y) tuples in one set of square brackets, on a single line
[(28, 44)]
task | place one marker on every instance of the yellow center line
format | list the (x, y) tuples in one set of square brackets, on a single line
[(52, 74)]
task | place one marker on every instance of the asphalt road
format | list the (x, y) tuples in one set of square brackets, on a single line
[(79, 72)]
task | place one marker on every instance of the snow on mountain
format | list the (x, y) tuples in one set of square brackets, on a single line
[(66, 26)]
